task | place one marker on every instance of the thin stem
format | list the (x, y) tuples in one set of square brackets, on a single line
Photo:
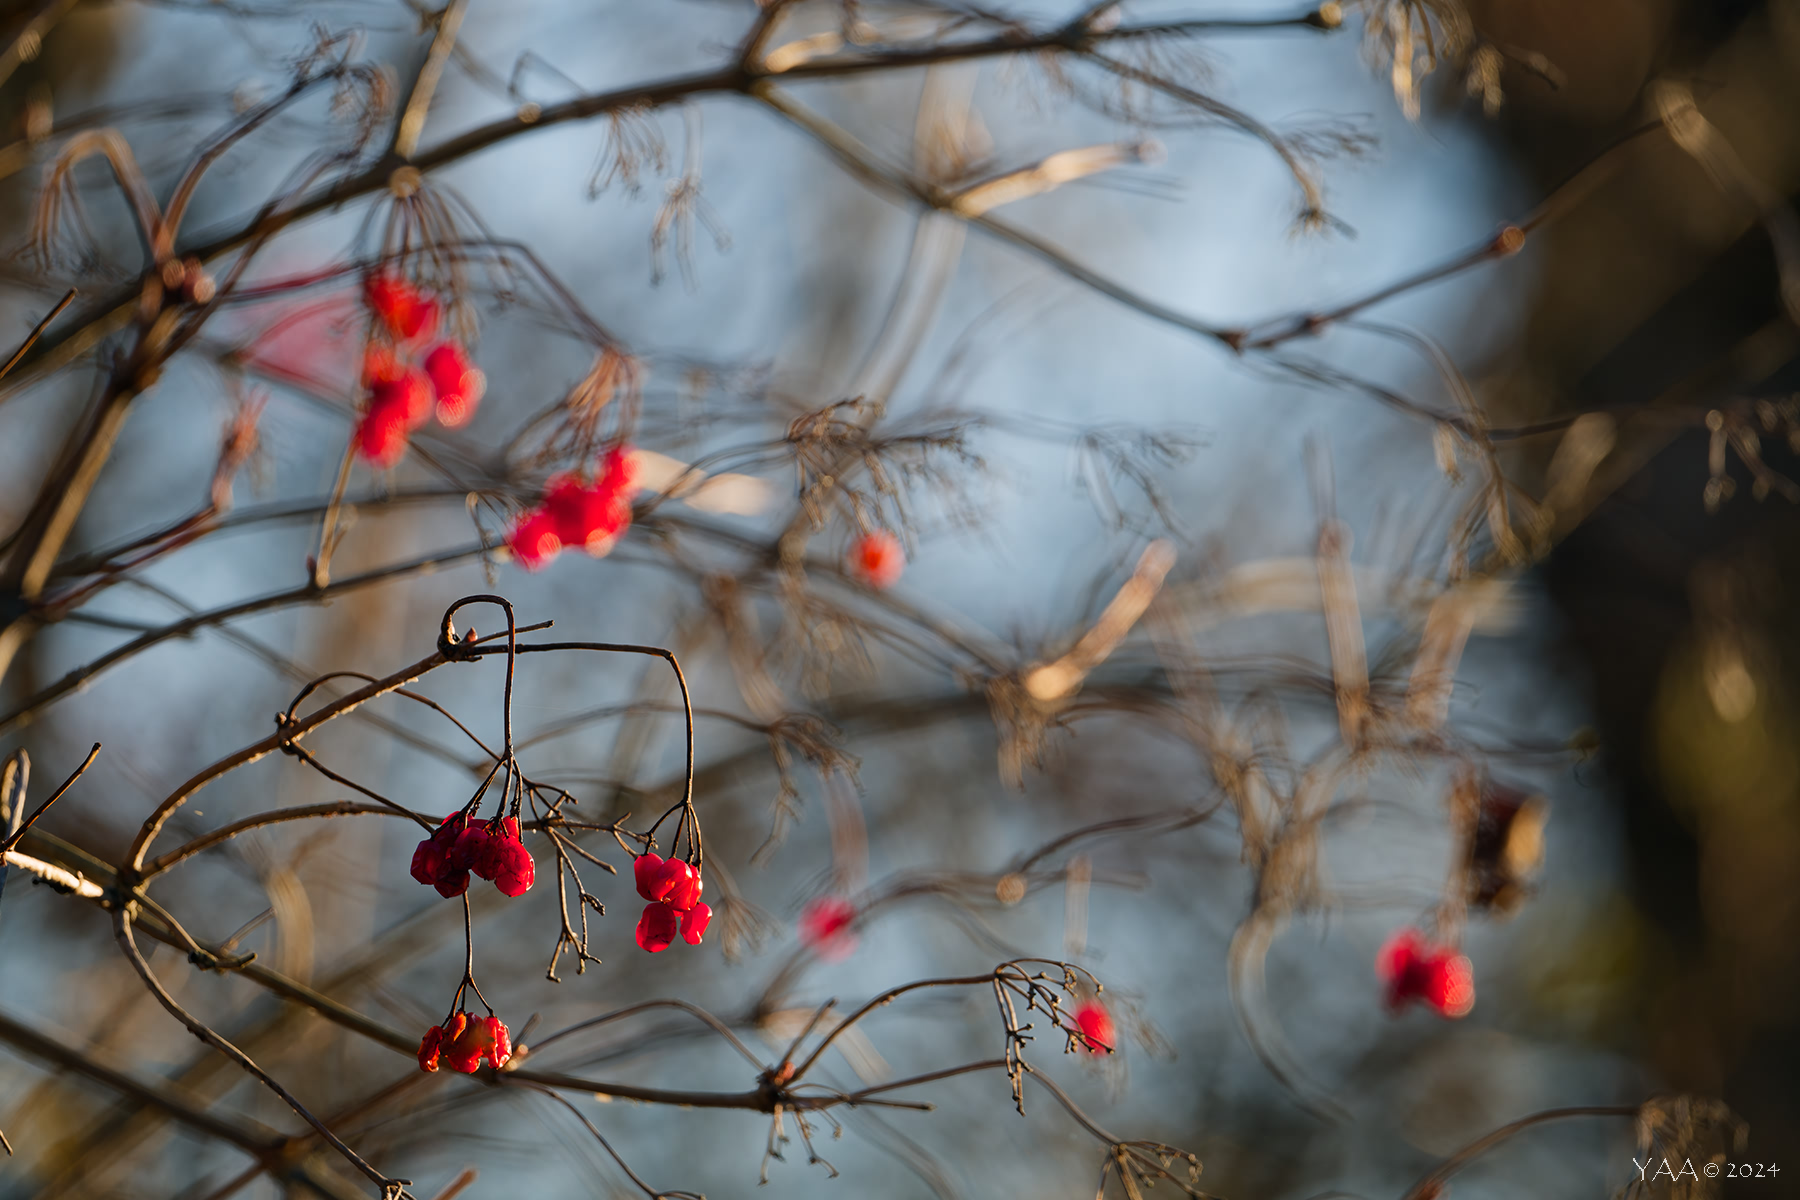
[(122, 928), (1432, 1184), (716, 1025), (36, 333), (12, 839), (412, 122), (328, 527)]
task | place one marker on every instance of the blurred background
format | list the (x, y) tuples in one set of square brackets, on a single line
[(1065, 390)]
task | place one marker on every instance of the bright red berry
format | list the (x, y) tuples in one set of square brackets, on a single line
[(1096, 1024), (534, 540), (1413, 968), (471, 849), (462, 1042), (458, 383), (646, 872), (429, 1046), (877, 559), (404, 310), (826, 927), (673, 888), (656, 928), (508, 863), (680, 885), (437, 864)]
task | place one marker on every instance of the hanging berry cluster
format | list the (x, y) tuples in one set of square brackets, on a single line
[(578, 513), (672, 887), (463, 845), (404, 392), (490, 849), (464, 1041), (1412, 967)]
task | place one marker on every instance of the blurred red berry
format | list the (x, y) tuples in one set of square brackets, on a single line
[(594, 515), (381, 438), (404, 310), (457, 382), (656, 928), (619, 471), (877, 559), (380, 364), (1097, 1033), (407, 393), (578, 514), (533, 540), (694, 922), (825, 927), (1413, 968)]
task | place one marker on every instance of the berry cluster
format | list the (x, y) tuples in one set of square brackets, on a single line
[(877, 559), (1414, 968), (673, 889), (403, 394), (491, 849), (578, 513), (463, 1041)]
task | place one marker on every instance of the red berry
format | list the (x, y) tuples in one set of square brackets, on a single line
[(679, 885), (509, 863), (877, 559), (1415, 969), (646, 871), (459, 385), (825, 926), (436, 861), (380, 364), (618, 472), (452, 884), (407, 394), (471, 850), (500, 1039), (1097, 1034), (588, 516), (694, 922), (428, 1048), (403, 309), (656, 928), (463, 1042), (381, 438), (534, 540)]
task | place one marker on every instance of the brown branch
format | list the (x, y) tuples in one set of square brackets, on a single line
[(391, 1189), (36, 333), (251, 1139), (304, 594), (1432, 1185)]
